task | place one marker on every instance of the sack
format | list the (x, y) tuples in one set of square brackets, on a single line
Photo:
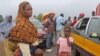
[(12, 46)]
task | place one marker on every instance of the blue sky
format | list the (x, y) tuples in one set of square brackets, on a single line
[(68, 7)]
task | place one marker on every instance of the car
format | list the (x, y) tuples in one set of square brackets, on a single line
[(86, 33)]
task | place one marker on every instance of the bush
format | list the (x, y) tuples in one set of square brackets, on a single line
[(1, 18), (39, 17)]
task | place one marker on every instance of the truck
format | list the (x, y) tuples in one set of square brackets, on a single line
[(86, 34)]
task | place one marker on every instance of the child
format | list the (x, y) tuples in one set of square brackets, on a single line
[(64, 43), (17, 52), (38, 52), (34, 52)]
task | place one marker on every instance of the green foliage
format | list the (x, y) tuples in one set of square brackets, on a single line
[(39, 17), (1, 18)]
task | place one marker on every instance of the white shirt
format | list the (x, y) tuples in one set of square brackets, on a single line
[(59, 20)]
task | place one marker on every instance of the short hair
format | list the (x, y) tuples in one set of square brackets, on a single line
[(38, 52), (93, 13), (75, 17), (62, 14), (68, 28)]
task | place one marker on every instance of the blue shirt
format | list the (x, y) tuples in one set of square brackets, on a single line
[(59, 20), (1, 37), (5, 27)]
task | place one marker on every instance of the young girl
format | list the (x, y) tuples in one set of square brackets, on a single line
[(38, 52), (64, 43)]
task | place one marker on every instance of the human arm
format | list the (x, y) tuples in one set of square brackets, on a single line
[(70, 41), (58, 45), (62, 21)]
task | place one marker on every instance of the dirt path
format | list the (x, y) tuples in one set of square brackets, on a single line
[(53, 53), (2, 53)]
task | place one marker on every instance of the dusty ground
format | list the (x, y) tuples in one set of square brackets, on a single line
[(8, 53), (2, 53), (53, 53)]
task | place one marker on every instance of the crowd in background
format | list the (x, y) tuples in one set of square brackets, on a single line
[(25, 33)]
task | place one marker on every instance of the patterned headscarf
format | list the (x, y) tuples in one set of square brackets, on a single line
[(24, 31)]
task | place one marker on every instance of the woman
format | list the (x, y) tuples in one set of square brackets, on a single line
[(25, 33)]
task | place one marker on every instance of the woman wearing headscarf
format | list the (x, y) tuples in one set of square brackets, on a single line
[(25, 33)]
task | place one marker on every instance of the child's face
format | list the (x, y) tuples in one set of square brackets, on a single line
[(67, 32), (38, 52)]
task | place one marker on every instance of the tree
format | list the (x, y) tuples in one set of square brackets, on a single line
[(1, 18), (39, 17)]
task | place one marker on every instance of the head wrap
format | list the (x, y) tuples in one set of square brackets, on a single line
[(24, 31)]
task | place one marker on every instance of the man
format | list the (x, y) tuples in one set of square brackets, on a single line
[(93, 13), (50, 31), (6, 26), (74, 21), (59, 25)]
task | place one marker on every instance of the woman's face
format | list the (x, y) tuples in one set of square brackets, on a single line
[(28, 10)]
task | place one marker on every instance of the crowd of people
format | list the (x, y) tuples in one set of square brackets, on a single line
[(25, 33)]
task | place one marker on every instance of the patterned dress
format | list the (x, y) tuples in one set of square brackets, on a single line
[(24, 31)]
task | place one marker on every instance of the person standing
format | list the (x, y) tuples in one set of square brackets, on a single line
[(24, 32), (74, 21), (81, 15), (93, 13), (59, 25), (68, 22), (50, 31), (64, 43), (6, 26)]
